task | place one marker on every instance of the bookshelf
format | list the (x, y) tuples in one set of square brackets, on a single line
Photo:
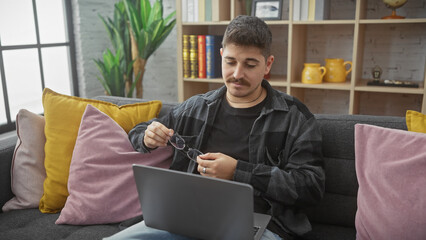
[(354, 31)]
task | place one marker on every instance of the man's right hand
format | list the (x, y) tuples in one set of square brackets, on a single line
[(157, 135)]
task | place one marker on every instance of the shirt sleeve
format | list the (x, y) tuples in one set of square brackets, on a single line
[(299, 179), (137, 133)]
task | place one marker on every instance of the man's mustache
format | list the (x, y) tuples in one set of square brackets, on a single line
[(241, 81)]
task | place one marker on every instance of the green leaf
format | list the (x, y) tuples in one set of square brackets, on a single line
[(132, 87), (147, 25), (156, 29), (164, 34), (169, 17), (133, 16), (143, 42), (156, 13), (145, 10), (107, 28), (106, 87)]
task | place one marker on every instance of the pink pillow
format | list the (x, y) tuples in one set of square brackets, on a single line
[(27, 170), (391, 171), (101, 184)]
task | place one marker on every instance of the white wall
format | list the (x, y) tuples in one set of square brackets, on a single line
[(160, 79)]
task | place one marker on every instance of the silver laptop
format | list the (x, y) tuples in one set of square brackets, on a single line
[(196, 206)]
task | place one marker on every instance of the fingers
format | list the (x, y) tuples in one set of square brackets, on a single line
[(205, 162), (216, 165), (157, 135)]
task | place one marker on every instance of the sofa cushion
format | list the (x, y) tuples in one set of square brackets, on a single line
[(27, 171), (34, 225), (416, 122), (63, 114), (101, 183), (7, 147), (339, 204), (390, 166)]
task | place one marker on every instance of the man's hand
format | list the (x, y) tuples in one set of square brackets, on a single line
[(217, 165), (157, 135)]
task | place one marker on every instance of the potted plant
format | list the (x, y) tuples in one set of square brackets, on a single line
[(136, 31)]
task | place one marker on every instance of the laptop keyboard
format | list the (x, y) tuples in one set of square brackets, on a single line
[(255, 230)]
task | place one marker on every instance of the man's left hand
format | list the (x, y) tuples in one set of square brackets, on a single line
[(217, 165)]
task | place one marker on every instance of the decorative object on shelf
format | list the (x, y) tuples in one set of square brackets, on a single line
[(313, 73), (376, 72), (136, 31), (394, 4), (267, 9), (336, 70), (393, 83)]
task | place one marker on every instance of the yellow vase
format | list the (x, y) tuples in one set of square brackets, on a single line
[(313, 73), (336, 70)]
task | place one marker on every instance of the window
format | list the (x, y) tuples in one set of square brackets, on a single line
[(36, 51)]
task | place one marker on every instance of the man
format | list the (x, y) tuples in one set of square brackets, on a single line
[(249, 132)]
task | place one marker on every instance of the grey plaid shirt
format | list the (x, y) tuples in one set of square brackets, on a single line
[(285, 164)]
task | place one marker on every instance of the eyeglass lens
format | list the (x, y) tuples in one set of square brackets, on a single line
[(178, 142), (193, 154)]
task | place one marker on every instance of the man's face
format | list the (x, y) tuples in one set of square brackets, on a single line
[(243, 68)]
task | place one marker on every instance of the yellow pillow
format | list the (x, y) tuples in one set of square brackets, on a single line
[(416, 122), (63, 116)]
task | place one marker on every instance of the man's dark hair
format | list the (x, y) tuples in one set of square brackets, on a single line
[(249, 31)]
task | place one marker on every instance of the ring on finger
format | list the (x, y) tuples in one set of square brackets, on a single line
[(204, 170)]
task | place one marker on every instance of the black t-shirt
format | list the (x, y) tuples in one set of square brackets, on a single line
[(231, 130), (230, 135)]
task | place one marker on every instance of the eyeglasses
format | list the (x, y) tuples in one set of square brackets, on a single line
[(177, 141)]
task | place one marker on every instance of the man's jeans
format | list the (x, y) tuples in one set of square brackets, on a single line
[(141, 231)]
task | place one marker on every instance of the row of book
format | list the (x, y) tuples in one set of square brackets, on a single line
[(310, 10), (201, 56), (202, 11)]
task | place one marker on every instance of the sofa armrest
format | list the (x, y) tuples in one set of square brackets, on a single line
[(7, 147)]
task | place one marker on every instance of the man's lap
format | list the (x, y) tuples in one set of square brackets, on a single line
[(141, 231)]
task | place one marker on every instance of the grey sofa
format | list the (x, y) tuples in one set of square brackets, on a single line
[(333, 218)]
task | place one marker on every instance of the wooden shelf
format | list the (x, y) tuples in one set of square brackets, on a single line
[(392, 21), (325, 85), (220, 23), (324, 22), (354, 32), (204, 80), (363, 87)]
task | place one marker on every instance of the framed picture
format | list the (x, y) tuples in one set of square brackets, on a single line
[(267, 9)]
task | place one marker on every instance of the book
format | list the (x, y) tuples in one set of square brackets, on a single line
[(311, 10), (193, 55), (322, 8), (184, 11), (190, 10), (201, 56), (304, 10), (185, 57), (201, 10), (213, 58), (195, 10), (208, 11), (296, 10), (220, 13)]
